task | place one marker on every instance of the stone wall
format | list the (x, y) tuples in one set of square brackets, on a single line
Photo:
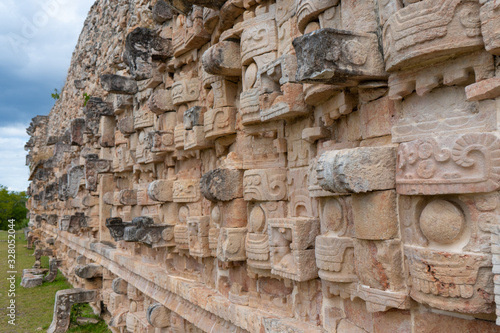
[(289, 166)]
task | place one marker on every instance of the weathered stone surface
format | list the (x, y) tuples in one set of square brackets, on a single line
[(375, 215), (446, 165), (118, 84), (357, 170), (162, 11), (89, 271), (235, 169), (62, 307), (485, 89), (223, 59), (141, 47), (426, 30), (489, 26), (222, 184), (354, 57)]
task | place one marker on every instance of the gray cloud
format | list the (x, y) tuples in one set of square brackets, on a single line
[(37, 38)]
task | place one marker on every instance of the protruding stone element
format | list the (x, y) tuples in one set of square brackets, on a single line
[(375, 215), (93, 167), (485, 89), (185, 6), (158, 316), (62, 307), (94, 110), (309, 10), (54, 264), (429, 30), (185, 91), (142, 45), (223, 58), (257, 40), (193, 117), (338, 57), (162, 12), (76, 131), (188, 32), (186, 190), (88, 271), (455, 164), (32, 277), (222, 184), (357, 170), (264, 185), (198, 230), (292, 247), (73, 223), (142, 229), (490, 19), (232, 244), (161, 190), (161, 101), (128, 197), (118, 84), (119, 286)]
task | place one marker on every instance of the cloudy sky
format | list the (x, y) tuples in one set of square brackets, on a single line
[(37, 38)]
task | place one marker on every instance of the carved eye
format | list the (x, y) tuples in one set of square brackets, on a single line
[(442, 222)]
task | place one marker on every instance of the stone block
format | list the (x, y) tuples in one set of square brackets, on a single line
[(338, 57), (375, 215), (425, 31), (118, 84), (223, 59), (357, 170), (490, 17), (222, 184), (486, 89), (377, 118), (264, 185)]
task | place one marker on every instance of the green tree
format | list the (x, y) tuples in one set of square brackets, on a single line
[(12, 206)]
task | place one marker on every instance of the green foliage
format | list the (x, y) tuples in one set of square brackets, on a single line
[(86, 98), (12, 206), (55, 95)]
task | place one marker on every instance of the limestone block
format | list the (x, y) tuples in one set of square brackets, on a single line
[(292, 241), (443, 237), (161, 101), (250, 106), (158, 315), (185, 6), (94, 110), (377, 118), (264, 185), (338, 57), (119, 286), (198, 230), (340, 104), (490, 16), (430, 30), (258, 39), (193, 117), (142, 45), (118, 84), (379, 264), (162, 11), (220, 122), (127, 197), (223, 59), (64, 300), (486, 89), (375, 216), (88, 271), (185, 91), (357, 170), (161, 190), (231, 245), (195, 139), (143, 117), (189, 33), (446, 165), (473, 66), (444, 111), (222, 184), (186, 190), (121, 103), (76, 131), (309, 10), (92, 168)]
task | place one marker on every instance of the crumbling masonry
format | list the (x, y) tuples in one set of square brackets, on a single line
[(289, 166)]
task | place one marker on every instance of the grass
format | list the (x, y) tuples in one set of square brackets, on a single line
[(35, 306)]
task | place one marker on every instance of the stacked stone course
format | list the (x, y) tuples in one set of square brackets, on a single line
[(276, 166)]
